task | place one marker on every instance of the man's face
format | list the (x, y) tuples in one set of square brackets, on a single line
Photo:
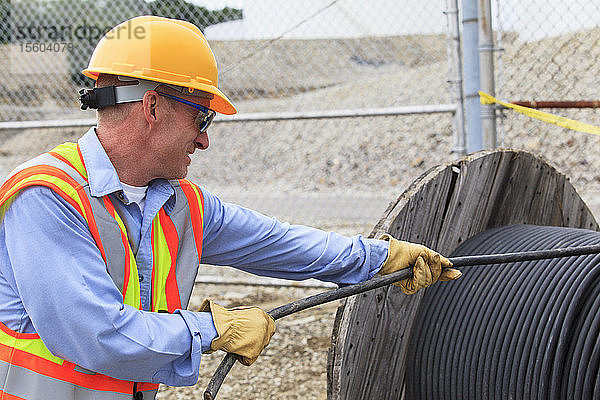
[(179, 137)]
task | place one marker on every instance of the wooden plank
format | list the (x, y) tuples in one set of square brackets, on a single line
[(357, 359), (469, 202)]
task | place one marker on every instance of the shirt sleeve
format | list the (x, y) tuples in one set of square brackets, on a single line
[(78, 311), (245, 239)]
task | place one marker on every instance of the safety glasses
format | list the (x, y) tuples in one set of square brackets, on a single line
[(205, 115)]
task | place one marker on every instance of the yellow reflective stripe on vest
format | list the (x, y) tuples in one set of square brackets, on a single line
[(165, 242), (5, 206), (30, 343), (198, 198), (70, 153)]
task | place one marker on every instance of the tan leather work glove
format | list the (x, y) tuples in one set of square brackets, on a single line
[(428, 266), (244, 331)]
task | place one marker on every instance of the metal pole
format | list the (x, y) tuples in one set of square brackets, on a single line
[(379, 281), (471, 71), (455, 77), (486, 64)]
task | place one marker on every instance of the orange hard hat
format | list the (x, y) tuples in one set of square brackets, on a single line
[(162, 50)]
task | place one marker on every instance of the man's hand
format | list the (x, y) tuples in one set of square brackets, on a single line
[(428, 266), (244, 331)]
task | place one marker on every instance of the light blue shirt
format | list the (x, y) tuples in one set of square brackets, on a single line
[(53, 280)]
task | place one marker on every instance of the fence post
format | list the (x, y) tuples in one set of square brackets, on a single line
[(471, 71), (455, 77), (486, 63)]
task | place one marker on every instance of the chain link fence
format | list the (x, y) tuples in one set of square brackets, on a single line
[(548, 51), (273, 56)]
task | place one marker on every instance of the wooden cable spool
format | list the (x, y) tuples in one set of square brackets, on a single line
[(443, 208)]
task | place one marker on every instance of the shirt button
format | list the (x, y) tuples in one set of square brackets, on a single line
[(120, 196), (141, 278)]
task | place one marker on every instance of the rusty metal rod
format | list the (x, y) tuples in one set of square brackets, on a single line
[(379, 281), (559, 104)]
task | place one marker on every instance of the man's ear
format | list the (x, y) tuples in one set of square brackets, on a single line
[(150, 103)]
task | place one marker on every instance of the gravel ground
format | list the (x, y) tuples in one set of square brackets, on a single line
[(335, 175)]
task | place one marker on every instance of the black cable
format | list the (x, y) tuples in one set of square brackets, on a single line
[(586, 364), (515, 315), (523, 330), (564, 329)]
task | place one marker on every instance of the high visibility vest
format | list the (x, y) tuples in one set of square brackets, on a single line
[(28, 370)]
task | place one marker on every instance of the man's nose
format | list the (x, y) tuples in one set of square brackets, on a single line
[(202, 141)]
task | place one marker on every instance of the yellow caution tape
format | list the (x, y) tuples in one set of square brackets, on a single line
[(543, 116)]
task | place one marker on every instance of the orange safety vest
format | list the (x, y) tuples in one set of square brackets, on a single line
[(28, 370)]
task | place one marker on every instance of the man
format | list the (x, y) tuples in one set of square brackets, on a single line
[(100, 240)]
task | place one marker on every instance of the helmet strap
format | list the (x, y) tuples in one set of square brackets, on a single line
[(111, 95)]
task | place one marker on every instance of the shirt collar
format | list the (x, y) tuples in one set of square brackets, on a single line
[(102, 176)]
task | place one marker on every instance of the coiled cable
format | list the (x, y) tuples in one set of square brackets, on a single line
[(524, 330)]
